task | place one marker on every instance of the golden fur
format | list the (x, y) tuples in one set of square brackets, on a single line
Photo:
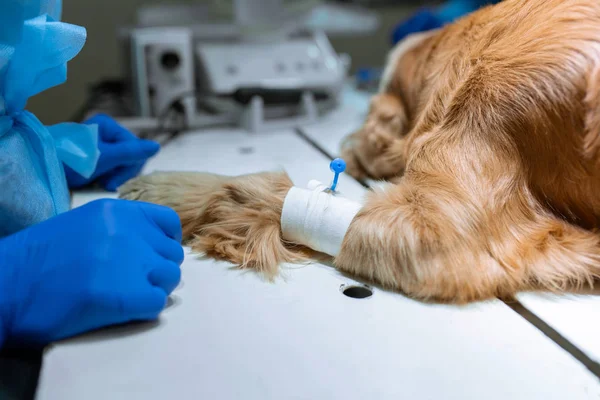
[(489, 133)]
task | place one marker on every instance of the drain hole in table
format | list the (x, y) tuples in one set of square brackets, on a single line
[(357, 291), (246, 150)]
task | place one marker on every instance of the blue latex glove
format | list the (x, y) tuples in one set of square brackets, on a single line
[(108, 262), (427, 19), (122, 155)]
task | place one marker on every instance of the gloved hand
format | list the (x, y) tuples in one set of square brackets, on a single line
[(427, 19), (108, 262), (122, 155)]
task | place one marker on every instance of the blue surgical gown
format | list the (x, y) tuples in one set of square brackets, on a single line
[(34, 49)]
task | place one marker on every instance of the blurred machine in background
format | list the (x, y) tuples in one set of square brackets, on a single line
[(259, 64)]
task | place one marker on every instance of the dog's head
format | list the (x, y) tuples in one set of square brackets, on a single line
[(511, 88)]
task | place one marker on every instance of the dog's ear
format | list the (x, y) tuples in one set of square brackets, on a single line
[(591, 140), (403, 74)]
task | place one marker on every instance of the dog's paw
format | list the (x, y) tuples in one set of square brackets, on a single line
[(377, 149), (170, 188), (188, 193), (374, 154), (240, 223), (140, 188), (236, 219), (353, 165)]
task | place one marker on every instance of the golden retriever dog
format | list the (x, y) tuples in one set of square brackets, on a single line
[(488, 133)]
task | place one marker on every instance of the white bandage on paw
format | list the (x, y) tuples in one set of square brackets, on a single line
[(317, 219)]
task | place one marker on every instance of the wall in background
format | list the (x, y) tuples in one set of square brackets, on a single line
[(102, 55)]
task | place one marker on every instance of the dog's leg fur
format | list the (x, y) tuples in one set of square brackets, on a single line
[(433, 240), (424, 236), (591, 143), (229, 218)]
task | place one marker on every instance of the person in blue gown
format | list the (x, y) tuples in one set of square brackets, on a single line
[(64, 272)]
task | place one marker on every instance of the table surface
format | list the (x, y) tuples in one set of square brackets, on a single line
[(229, 334)]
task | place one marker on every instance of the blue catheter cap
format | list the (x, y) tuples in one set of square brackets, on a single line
[(337, 166)]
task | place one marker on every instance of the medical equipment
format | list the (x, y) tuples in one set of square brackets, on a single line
[(317, 218), (337, 166), (261, 65)]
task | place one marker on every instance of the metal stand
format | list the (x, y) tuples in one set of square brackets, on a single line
[(254, 119)]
